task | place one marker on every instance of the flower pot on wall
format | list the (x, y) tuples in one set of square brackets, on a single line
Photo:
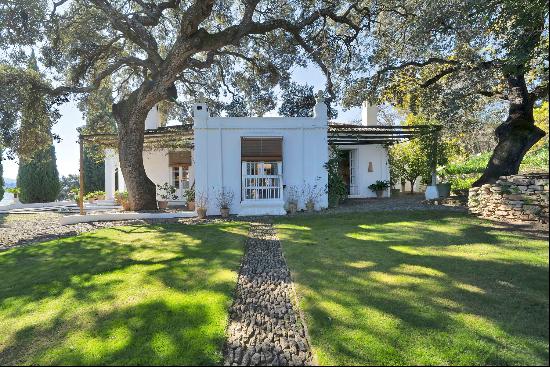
[(310, 206), (379, 193), (201, 213), (191, 206), (224, 212), (162, 204)]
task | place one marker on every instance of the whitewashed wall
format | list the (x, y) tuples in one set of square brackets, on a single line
[(156, 168), (377, 154), (218, 151)]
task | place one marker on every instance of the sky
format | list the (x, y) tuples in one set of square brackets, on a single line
[(67, 151)]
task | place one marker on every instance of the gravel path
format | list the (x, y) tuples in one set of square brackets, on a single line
[(265, 326)]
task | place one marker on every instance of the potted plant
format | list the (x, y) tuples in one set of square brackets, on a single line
[(224, 199), (166, 192), (121, 198), (293, 196), (190, 197), (15, 191), (74, 194), (444, 187), (311, 194), (379, 187), (201, 202)]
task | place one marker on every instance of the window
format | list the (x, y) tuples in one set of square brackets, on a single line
[(261, 180), (179, 176)]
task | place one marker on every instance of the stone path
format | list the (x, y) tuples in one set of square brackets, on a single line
[(265, 326)]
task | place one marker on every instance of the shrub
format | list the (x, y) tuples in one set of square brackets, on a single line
[(336, 187), (224, 198), (167, 191), (379, 185), (38, 177)]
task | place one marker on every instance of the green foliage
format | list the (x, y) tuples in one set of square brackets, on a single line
[(38, 178), (299, 100), (16, 191), (94, 169), (336, 187), (96, 195), (167, 191), (236, 108), (1, 177), (190, 194), (379, 185), (409, 160), (68, 183), (464, 173)]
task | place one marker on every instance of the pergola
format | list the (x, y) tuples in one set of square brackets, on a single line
[(351, 134), (165, 137), (181, 137)]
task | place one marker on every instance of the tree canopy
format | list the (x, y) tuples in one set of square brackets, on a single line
[(158, 50), (459, 62)]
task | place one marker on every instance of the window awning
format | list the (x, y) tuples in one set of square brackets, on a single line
[(261, 149), (182, 158)]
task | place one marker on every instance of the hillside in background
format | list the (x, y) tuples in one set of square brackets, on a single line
[(9, 182)]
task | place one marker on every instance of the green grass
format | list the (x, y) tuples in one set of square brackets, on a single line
[(423, 287), (144, 295)]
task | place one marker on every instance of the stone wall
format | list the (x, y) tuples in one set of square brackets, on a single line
[(512, 198)]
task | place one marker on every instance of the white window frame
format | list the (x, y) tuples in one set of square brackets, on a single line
[(183, 184), (261, 186)]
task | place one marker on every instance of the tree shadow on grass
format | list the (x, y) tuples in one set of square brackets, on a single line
[(417, 288), (125, 295)]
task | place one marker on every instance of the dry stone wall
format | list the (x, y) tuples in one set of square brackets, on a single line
[(512, 198)]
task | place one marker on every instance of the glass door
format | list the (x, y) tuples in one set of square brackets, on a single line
[(180, 180)]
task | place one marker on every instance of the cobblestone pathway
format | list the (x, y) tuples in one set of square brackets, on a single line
[(265, 327)]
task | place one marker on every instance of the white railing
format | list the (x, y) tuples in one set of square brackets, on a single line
[(262, 187)]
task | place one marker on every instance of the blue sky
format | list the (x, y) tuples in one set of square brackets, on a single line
[(71, 118)]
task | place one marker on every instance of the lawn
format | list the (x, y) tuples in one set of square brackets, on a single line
[(144, 295), (411, 288)]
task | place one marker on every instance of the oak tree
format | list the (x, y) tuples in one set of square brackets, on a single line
[(455, 60), (153, 51)]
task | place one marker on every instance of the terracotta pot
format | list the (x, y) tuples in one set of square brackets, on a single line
[(292, 208), (162, 204), (310, 206), (191, 206), (125, 205), (379, 193), (201, 213), (224, 212)]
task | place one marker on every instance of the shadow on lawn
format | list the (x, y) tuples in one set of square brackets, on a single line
[(420, 290), (136, 295)]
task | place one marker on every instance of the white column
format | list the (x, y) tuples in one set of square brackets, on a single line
[(110, 165)]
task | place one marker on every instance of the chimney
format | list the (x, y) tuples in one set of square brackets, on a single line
[(320, 110), (152, 121), (369, 114), (200, 114)]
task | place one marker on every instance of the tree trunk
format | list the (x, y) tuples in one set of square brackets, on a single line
[(515, 136), (130, 115), (412, 182)]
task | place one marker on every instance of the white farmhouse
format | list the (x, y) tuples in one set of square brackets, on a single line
[(260, 158)]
